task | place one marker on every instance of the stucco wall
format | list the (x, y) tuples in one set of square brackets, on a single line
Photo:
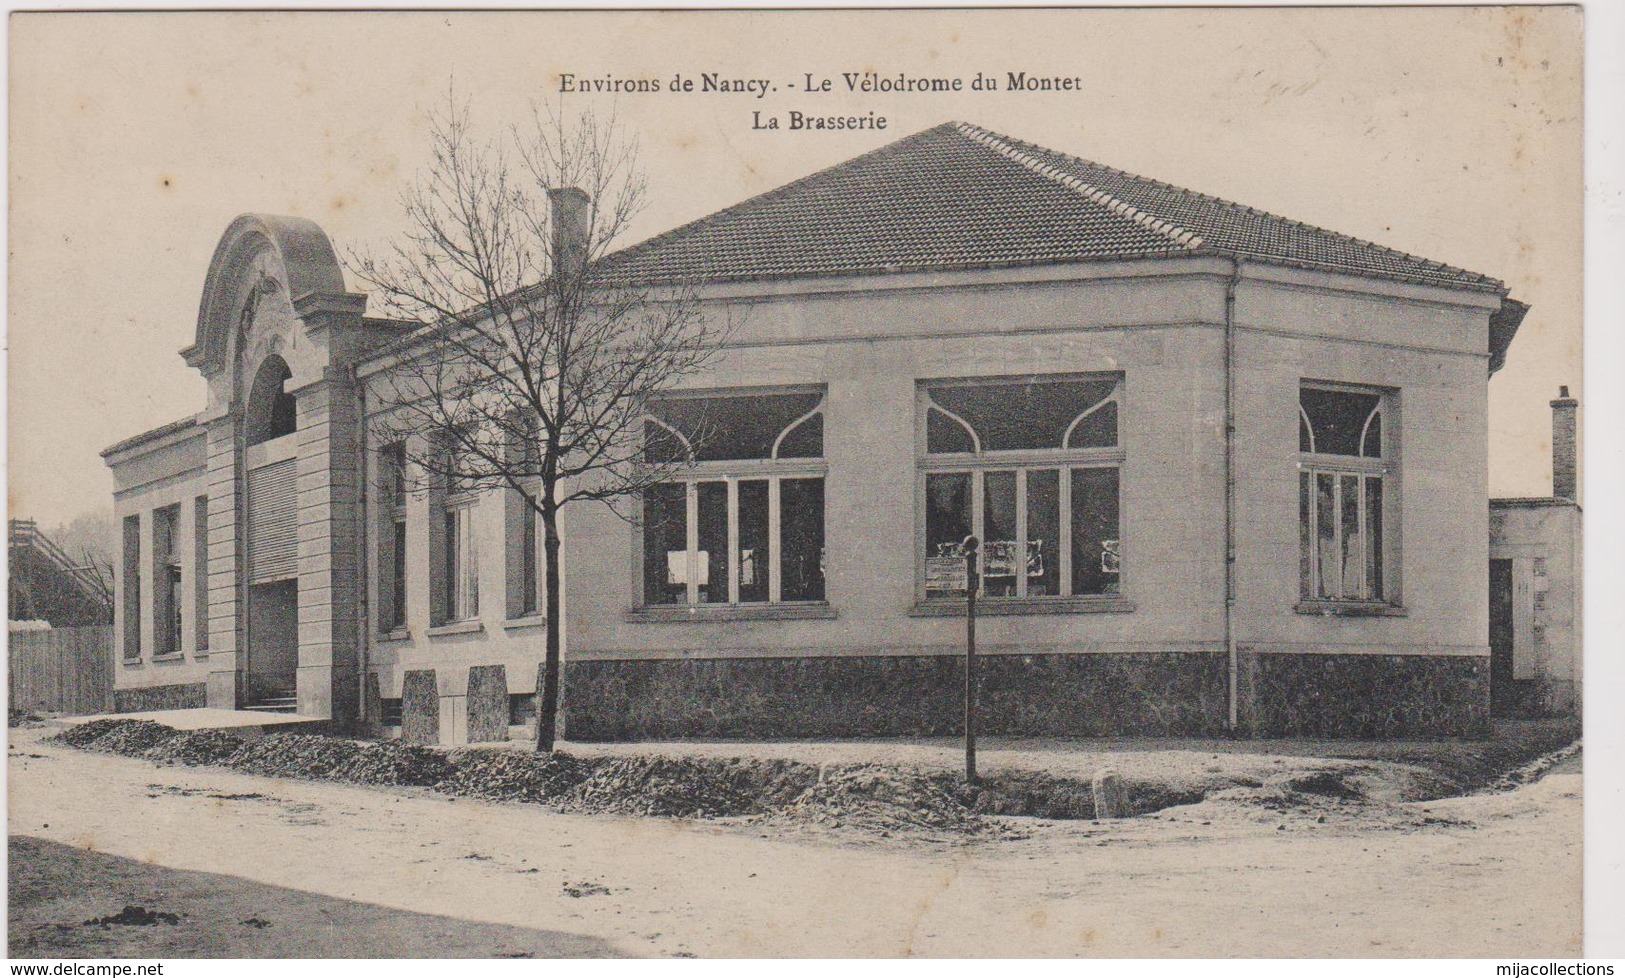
[(1159, 325), (1161, 335), (167, 472), (1433, 357), (1549, 531), (1161, 328)]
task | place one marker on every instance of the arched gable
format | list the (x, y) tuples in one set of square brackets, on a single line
[(297, 248)]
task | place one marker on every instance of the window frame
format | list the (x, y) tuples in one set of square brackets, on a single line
[(775, 471), (524, 599), (200, 575), (1385, 468), (169, 583), (455, 602), (460, 597), (130, 587), (1022, 462), (392, 552)]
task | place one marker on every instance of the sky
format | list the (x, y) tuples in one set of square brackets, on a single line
[(135, 139)]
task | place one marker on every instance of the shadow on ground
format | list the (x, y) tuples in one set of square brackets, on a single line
[(67, 902)]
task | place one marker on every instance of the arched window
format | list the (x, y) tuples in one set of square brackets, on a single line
[(1029, 465), (272, 411), (1344, 469), (742, 520)]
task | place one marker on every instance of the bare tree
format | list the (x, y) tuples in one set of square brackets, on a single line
[(87, 540), (536, 363)]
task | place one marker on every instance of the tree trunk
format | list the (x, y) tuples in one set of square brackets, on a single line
[(547, 694)]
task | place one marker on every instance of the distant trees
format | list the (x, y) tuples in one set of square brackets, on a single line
[(87, 539)]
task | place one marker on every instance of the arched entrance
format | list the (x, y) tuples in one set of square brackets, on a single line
[(270, 420), (276, 334)]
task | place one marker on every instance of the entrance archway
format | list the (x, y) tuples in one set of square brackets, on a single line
[(270, 418)]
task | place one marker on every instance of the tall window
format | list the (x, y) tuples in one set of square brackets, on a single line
[(200, 572), (522, 529), (524, 562), (131, 585), (1029, 465), (1344, 459), (462, 593), (456, 586), (743, 523), (166, 562), (392, 537)]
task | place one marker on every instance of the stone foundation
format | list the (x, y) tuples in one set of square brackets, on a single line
[(1095, 695), (1375, 697), (181, 696)]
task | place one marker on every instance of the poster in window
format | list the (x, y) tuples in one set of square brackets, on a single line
[(1111, 556)]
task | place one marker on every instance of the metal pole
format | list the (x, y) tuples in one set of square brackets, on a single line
[(972, 579)]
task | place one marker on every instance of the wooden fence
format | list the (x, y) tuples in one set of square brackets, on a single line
[(63, 670)]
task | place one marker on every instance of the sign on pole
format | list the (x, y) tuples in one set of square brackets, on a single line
[(945, 574)]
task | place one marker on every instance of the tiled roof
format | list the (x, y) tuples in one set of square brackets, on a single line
[(959, 196)]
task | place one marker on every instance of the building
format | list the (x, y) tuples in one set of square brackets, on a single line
[(1535, 608), (47, 585), (1230, 469)]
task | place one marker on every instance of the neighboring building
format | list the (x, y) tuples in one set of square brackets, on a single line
[(1535, 610), (59, 650), (48, 585), (1230, 469)]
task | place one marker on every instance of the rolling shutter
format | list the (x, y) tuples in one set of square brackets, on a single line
[(273, 522)]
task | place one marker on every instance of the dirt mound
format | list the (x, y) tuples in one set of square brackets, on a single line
[(1327, 783), (85, 734), (1355, 797), (392, 763), (293, 756), (1535, 769), (194, 747), (662, 786), (505, 775), (882, 799), (134, 916), (129, 737)]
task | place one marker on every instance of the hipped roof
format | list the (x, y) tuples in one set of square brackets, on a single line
[(958, 196)]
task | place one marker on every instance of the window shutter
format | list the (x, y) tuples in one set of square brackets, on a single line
[(273, 522)]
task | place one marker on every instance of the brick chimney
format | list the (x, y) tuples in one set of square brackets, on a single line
[(572, 226), (1564, 465)]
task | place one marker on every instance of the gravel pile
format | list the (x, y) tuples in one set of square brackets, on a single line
[(870, 797), (772, 782), (131, 737), (660, 786), (294, 756), (394, 764), (86, 734), (194, 747), (505, 775), (882, 799)]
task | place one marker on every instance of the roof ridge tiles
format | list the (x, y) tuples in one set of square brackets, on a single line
[(1003, 145), (1236, 205)]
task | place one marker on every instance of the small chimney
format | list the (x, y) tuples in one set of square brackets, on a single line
[(572, 224), (1564, 465)]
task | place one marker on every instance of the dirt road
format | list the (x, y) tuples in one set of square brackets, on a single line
[(1492, 875)]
